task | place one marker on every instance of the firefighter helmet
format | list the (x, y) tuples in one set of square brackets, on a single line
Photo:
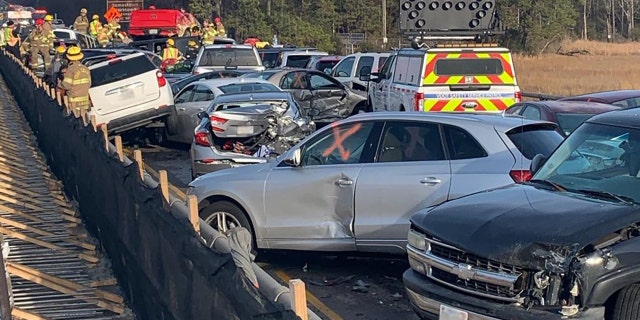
[(48, 17), (95, 17), (39, 22), (170, 42), (61, 50), (74, 53), (83, 10)]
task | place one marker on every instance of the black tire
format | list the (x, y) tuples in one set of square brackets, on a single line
[(627, 306), (229, 208)]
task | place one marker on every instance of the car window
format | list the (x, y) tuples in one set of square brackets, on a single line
[(185, 95), (119, 69), (454, 67), (386, 69), (570, 121), (628, 103), (294, 80), (202, 93), (269, 59), (297, 61), (248, 87), (62, 35), (343, 144), (321, 81), (462, 145), (514, 109), (364, 62), (534, 139), (343, 69), (381, 61), (531, 112), (410, 141), (325, 66), (231, 57)]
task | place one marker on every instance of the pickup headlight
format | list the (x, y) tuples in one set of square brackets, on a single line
[(417, 240)]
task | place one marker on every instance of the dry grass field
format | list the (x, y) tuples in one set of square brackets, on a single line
[(599, 66)]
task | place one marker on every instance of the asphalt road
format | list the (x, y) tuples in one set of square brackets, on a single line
[(340, 286)]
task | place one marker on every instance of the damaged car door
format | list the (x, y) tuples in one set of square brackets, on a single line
[(410, 172), (329, 97), (188, 112), (310, 205)]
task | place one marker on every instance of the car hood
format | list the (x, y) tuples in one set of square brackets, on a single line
[(249, 173), (524, 225)]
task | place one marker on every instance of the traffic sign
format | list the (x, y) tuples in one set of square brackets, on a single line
[(125, 7)]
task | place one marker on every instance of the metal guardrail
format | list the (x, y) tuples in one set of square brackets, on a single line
[(541, 96)]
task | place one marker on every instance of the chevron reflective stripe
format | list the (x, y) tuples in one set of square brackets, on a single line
[(457, 104), (431, 78)]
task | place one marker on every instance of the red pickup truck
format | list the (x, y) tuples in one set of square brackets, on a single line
[(160, 23)]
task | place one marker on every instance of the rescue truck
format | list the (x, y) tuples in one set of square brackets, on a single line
[(454, 64)]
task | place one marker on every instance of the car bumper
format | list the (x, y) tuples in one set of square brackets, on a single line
[(137, 120), (427, 298), (205, 160)]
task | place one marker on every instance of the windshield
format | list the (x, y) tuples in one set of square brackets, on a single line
[(569, 122), (297, 61), (248, 87), (229, 57), (269, 59), (597, 158), (326, 66)]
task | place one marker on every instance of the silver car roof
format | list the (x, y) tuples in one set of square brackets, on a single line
[(213, 83), (264, 95)]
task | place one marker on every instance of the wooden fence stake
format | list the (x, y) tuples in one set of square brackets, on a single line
[(66, 105), (58, 97), (94, 122), (192, 203), (53, 93), (105, 135), (299, 298), (137, 155), (118, 142), (164, 184)]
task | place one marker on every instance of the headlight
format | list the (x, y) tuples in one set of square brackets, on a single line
[(417, 240)]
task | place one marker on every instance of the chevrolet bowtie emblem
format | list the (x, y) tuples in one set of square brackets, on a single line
[(464, 271)]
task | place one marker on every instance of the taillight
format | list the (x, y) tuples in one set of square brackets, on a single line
[(202, 138), (418, 99), (114, 61), (217, 121), (162, 81), (520, 176), (518, 96)]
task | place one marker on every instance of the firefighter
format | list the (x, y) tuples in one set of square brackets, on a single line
[(3, 40), (76, 83), (195, 31), (171, 52), (209, 34), (220, 27), (39, 44), (123, 38), (48, 30), (103, 36), (59, 60), (114, 27), (95, 26), (82, 22), (192, 51)]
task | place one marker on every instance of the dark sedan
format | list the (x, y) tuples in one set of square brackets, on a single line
[(622, 98), (313, 89), (567, 114)]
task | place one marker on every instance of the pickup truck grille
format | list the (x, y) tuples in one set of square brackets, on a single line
[(473, 260)]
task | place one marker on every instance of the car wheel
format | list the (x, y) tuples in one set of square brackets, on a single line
[(224, 215), (627, 306)]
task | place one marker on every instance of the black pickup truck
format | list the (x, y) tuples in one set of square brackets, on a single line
[(564, 245)]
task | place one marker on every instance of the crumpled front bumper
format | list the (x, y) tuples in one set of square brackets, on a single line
[(427, 296)]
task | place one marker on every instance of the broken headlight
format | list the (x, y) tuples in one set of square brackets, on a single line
[(603, 258)]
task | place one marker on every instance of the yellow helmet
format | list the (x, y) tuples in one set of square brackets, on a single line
[(61, 50), (74, 53), (83, 10), (95, 17), (170, 42), (48, 17), (192, 43)]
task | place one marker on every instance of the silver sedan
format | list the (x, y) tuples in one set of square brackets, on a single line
[(353, 185), (197, 96)]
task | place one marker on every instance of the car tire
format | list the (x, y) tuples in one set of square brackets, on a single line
[(627, 304), (235, 217)]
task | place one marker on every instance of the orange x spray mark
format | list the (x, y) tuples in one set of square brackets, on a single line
[(339, 139), (298, 83)]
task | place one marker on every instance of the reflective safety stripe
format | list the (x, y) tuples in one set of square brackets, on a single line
[(79, 99), (80, 81), (507, 76), (457, 104), (170, 53), (68, 80)]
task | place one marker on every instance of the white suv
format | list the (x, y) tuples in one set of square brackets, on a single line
[(349, 67), (129, 92)]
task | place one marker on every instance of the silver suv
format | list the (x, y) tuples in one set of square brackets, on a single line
[(354, 184), (219, 57)]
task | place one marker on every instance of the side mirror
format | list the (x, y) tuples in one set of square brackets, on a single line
[(202, 115), (365, 73), (375, 76), (295, 159), (536, 163)]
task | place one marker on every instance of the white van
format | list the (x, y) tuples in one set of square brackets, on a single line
[(129, 92), (465, 78)]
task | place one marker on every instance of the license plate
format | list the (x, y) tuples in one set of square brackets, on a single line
[(127, 94), (449, 313), (244, 130), (153, 31)]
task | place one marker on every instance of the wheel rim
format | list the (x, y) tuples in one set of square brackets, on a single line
[(222, 221)]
